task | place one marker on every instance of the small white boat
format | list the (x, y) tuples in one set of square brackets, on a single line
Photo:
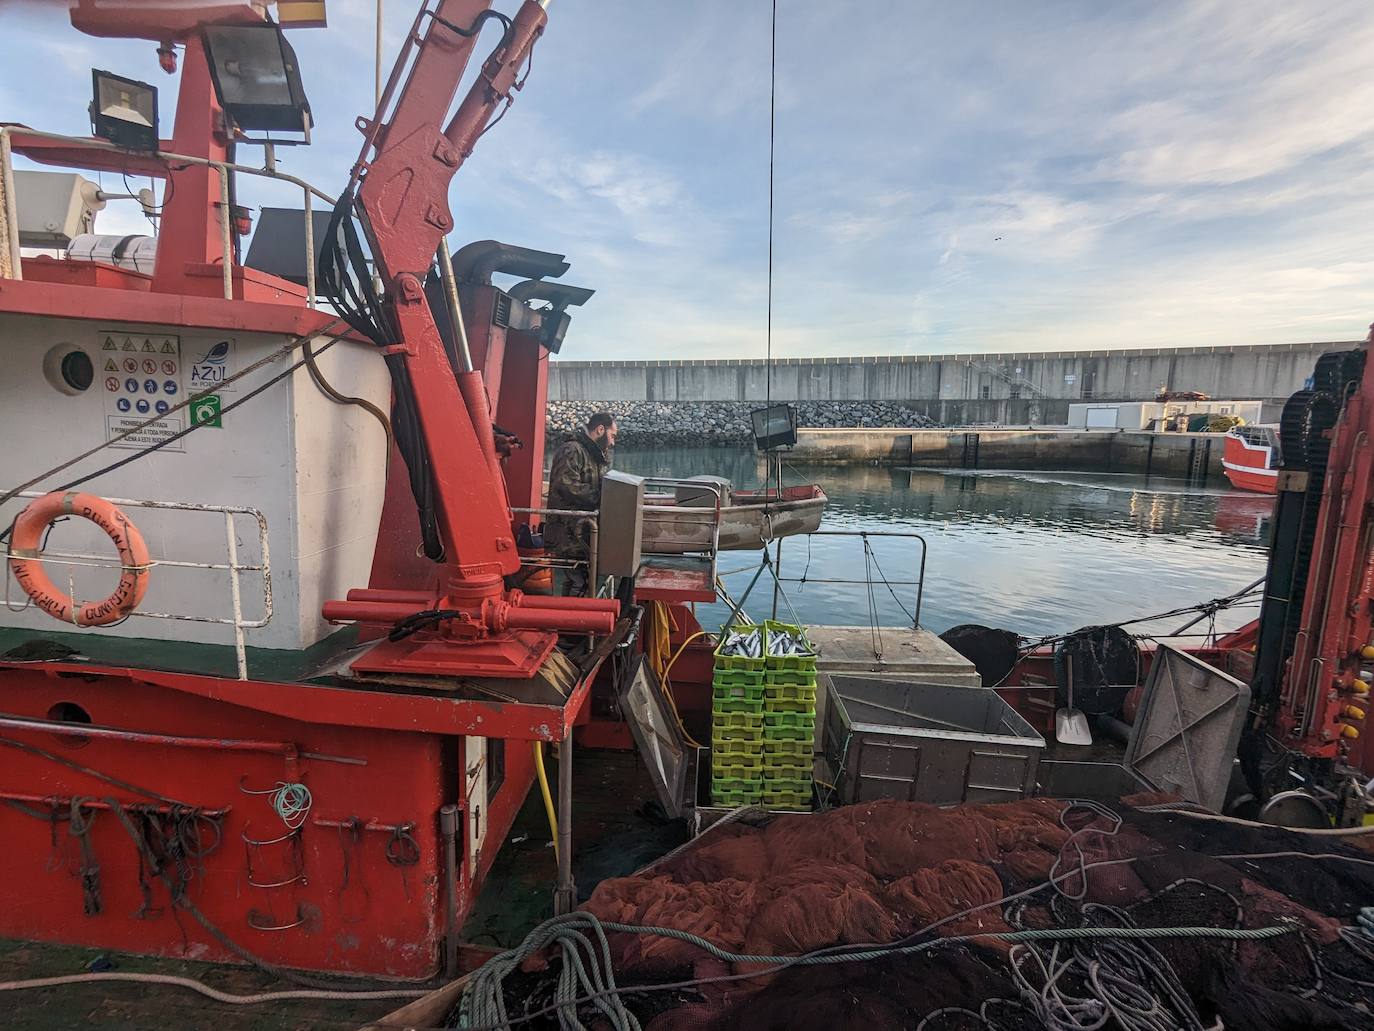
[(678, 523)]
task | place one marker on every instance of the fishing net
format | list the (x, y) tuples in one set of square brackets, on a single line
[(888, 871)]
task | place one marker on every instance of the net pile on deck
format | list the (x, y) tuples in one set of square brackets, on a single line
[(891, 872)]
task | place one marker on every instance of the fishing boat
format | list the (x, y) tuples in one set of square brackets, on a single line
[(1251, 458), (748, 519), (302, 729)]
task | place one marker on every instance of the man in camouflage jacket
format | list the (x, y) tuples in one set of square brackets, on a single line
[(575, 483)]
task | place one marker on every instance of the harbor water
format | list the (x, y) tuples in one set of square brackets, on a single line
[(1035, 552)]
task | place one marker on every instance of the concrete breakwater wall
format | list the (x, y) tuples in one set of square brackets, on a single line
[(1020, 388), (1193, 456)]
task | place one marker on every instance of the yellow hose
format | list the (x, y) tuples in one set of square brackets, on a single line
[(658, 647), (681, 648), (548, 798)]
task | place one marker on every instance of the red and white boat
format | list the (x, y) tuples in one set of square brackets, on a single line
[(1251, 458)]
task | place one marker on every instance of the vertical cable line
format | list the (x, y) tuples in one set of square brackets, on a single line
[(772, 122)]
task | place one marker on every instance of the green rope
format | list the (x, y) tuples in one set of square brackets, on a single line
[(1037, 934)]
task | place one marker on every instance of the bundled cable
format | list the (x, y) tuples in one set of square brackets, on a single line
[(346, 280)]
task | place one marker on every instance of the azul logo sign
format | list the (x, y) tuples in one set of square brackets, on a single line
[(211, 365)]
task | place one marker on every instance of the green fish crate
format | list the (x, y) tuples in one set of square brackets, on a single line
[(777, 754), (728, 799), (737, 767), (730, 749), (737, 698), (742, 663), (790, 678), (737, 724), (775, 783), (732, 707), (802, 663), (792, 773), (737, 742), (790, 698), (787, 799), (739, 677), (792, 792), (802, 722), (772, 734)]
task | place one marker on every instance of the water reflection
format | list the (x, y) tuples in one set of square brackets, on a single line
[(1035, 552)]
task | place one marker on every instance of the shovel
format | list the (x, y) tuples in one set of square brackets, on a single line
[(1070, 725)]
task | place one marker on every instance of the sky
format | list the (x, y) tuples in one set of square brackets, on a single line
[(986, 176)]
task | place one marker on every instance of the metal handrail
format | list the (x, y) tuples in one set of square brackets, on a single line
[(592, 519), (233, 567), (690, 510), (222, 169), (918, 583)]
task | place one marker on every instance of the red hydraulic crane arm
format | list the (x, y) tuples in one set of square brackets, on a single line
[(1326, 692), (403, 194)]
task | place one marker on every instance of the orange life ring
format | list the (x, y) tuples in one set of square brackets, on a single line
[(26, 549)]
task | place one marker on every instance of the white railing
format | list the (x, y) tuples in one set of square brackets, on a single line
[(232, 566), (222, 168)]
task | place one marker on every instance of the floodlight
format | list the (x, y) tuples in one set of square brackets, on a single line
[(774, 427), (257, 78), (124, 111)]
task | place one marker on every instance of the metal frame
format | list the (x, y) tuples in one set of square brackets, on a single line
[(670, 590), (918, 583), (222, 169), (233, 567)]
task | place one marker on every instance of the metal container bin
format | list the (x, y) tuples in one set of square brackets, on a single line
[(926, 743)]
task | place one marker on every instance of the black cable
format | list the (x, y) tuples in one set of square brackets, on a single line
[(418, 621), (477, 25), (346, 281), (334, 395), (1214, 605), (529, 67)]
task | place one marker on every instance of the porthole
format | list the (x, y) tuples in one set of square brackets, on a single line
[(69, 369)]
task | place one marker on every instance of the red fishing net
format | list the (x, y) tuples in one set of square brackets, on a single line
[(881, 871)]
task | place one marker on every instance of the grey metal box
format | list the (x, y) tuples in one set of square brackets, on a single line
[(54, 207), (927, 743), (703, 492), (620, 525)]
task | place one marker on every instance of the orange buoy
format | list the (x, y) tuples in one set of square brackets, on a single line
[(26, 549)]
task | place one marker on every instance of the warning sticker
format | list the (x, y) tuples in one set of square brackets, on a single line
[(145, 390), (155, 432)]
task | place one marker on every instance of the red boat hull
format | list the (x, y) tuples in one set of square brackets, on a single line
[(1249, 466)]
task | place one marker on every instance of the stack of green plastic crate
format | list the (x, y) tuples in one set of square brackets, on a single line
[(789, 722), (737, 688)]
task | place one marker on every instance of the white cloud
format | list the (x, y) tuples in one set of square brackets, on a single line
[(1185, 171)]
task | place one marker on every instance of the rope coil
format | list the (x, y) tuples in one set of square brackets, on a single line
[(290, 800)]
